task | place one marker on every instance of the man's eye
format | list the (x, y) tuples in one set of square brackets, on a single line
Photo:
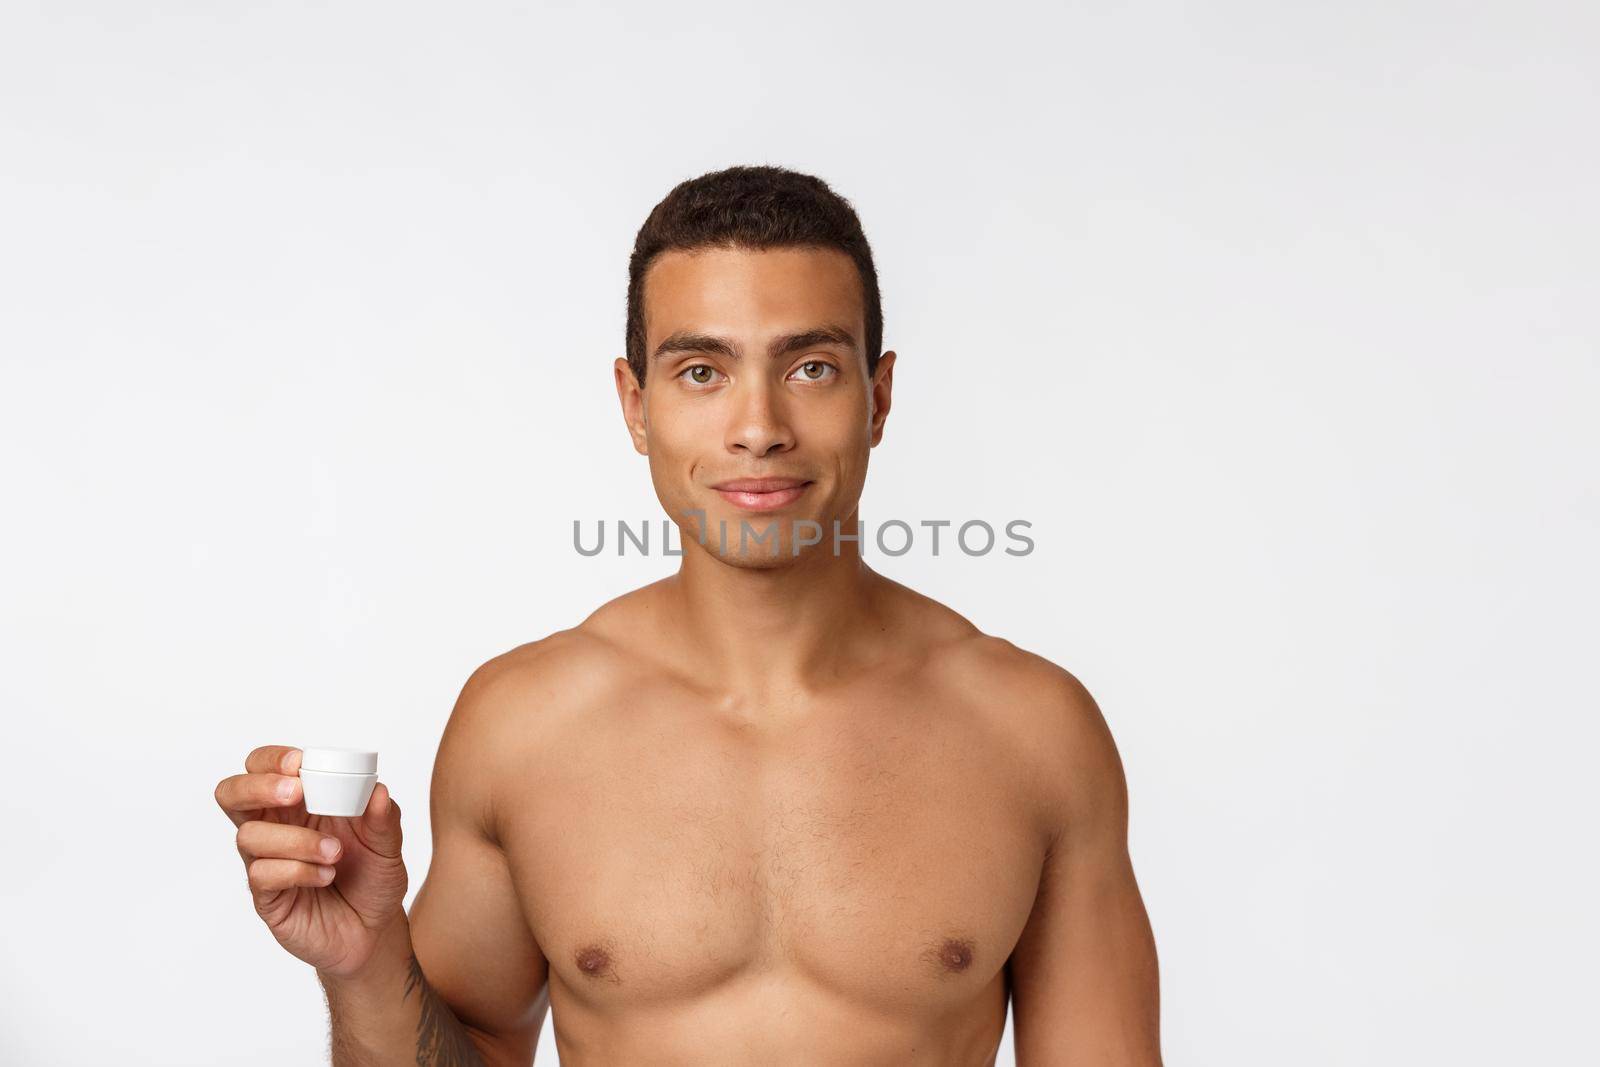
[(695, 375), (817, 371)]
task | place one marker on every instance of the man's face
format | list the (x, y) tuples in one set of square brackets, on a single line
[(756, 370)]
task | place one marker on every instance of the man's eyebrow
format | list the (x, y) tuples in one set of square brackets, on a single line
[(688, 341), (685, 341), (828, 334)]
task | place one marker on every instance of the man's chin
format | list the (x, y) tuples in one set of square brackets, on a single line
[(756, 562)]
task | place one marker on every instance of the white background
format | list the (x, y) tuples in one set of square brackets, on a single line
[(1277, 321)]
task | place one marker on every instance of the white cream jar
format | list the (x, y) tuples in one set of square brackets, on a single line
[(337, 781)]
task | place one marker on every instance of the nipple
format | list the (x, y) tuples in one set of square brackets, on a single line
[(593, 960), (956, 954)]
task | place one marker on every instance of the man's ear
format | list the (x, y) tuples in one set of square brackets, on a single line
[(882, 388), (631, 395)]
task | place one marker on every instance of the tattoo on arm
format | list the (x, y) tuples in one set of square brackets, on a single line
[(441, 1039)]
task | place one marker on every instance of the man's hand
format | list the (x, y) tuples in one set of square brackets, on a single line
[(326, 886)]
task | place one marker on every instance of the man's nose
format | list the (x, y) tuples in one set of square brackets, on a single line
[(758, 423)]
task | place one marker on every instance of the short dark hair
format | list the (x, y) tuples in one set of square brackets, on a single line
[(755, 207)]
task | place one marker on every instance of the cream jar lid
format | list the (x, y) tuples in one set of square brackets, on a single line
[(339, 760)]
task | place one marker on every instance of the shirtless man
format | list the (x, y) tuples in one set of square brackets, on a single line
[(773, 809)]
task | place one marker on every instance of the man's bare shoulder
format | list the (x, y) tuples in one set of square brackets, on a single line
[(918, 623), (1042, 701), (964, 655), (530, 692), (524, 699), (1049, 717), (540, 681), (1038, 685)]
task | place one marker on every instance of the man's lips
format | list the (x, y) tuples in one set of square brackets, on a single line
[(761, 494)]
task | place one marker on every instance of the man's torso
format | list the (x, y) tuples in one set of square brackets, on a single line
[(837, 874)]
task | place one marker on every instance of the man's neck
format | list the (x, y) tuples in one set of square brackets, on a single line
[(757, 632)]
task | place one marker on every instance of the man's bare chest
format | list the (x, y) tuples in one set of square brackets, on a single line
[(883, 853)]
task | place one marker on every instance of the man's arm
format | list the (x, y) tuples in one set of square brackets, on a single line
[(1084, 975), (461, 982)]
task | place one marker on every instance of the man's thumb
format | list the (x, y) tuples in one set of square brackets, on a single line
[(380, 823)]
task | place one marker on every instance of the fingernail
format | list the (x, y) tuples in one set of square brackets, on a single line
[(286, 790), (329, 848), (325, 873)]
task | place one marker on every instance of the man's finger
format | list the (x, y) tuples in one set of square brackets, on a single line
[(277, 759), (242, 795), (259, 839), (268, 876)]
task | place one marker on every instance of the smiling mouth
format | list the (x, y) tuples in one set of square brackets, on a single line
[(746, 496)]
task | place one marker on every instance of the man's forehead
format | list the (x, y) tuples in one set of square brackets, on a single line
[(736, 288)]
